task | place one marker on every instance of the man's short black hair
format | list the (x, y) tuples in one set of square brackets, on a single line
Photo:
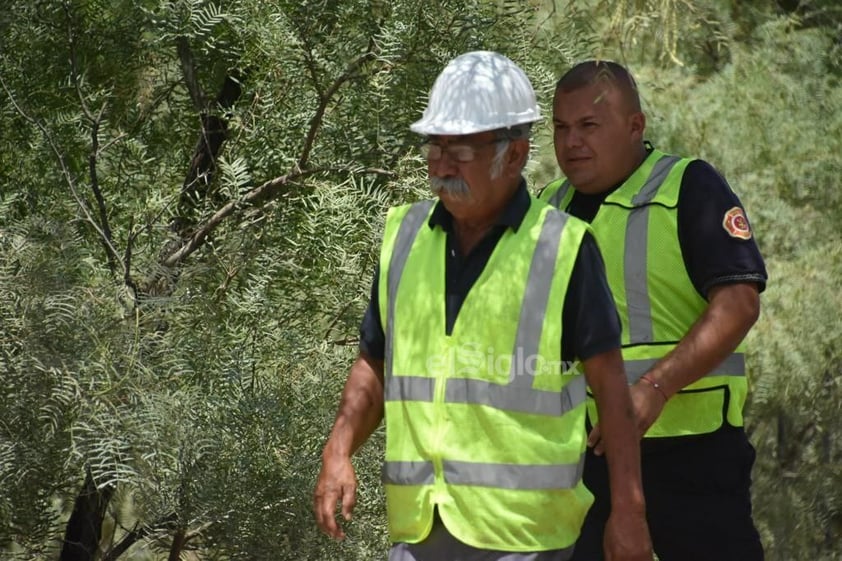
[(592, 71)]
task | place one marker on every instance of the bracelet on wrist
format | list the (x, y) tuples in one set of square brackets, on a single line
[(655, 385)]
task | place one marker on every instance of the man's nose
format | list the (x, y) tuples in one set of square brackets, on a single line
[(572, 138)]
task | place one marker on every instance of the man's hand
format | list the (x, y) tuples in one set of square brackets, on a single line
[(360, 411), (337, 483), (647, 403), (626, 537)]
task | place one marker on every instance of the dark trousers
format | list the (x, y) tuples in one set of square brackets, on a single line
[(698, 501), (440, 545)]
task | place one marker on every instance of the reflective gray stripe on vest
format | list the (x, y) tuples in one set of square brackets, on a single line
[(533, 308), (518, 394), (512, 398), (408, 473), (635, 257), (559, 195), (500, 476), (513, 476), (659, 172), (408, 230), (733, 365), (409, 388)]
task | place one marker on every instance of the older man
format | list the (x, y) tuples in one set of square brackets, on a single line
[(479, 301)]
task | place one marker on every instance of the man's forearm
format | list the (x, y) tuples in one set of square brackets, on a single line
[(731, 312), (619, 435), (360, 409)]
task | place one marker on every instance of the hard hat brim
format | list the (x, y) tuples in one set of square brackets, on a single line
[(430, 127)]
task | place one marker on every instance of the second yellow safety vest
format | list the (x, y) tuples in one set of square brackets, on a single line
[(637, 232)]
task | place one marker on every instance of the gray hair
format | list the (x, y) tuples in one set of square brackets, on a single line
[(504, 137), (497, 162)]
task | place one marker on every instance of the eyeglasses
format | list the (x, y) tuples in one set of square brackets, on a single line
[(462, 153)]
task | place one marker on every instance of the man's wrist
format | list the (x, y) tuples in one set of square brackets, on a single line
[(339, 444), (629, 507), (628, 498), (655, 385)]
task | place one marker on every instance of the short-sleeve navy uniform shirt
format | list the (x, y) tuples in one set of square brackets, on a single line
[(711, 255)]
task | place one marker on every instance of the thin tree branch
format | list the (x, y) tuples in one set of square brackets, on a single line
[(74, 68), (255, 197), (108, 144), (137, 534), (100, 200), (310, 63), (95, 122), (316, 121), (230, 275), (127, 260), (197, 532), (188, 66), (64, 171)]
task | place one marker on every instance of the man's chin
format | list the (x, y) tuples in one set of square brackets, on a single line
[(576, 177), (571, 171)]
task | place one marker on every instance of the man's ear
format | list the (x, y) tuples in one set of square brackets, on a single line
[(516, 156), (637, 123)]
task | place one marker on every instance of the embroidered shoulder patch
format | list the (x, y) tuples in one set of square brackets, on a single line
[(736, 224)]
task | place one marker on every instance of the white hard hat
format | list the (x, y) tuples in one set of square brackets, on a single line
[(478, 91)]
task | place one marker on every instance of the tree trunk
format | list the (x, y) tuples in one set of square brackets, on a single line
[(84, 529), (178, 541), (197, 182)]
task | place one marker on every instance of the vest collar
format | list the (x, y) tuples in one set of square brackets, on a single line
[(625, 193)]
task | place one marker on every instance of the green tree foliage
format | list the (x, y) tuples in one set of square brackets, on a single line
[(191, 195)]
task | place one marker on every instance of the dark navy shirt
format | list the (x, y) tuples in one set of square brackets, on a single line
[(711, 255), (590, 324)]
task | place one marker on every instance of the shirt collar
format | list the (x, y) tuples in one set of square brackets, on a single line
[(511, 217)]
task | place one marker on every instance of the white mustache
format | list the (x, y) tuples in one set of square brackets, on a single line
[(453, 186)]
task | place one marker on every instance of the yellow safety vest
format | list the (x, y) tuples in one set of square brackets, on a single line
[(483, 423), (637, 232)]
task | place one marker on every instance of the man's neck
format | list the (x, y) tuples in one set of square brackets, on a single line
[(470, 229), (640, 158), (469, 234)]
